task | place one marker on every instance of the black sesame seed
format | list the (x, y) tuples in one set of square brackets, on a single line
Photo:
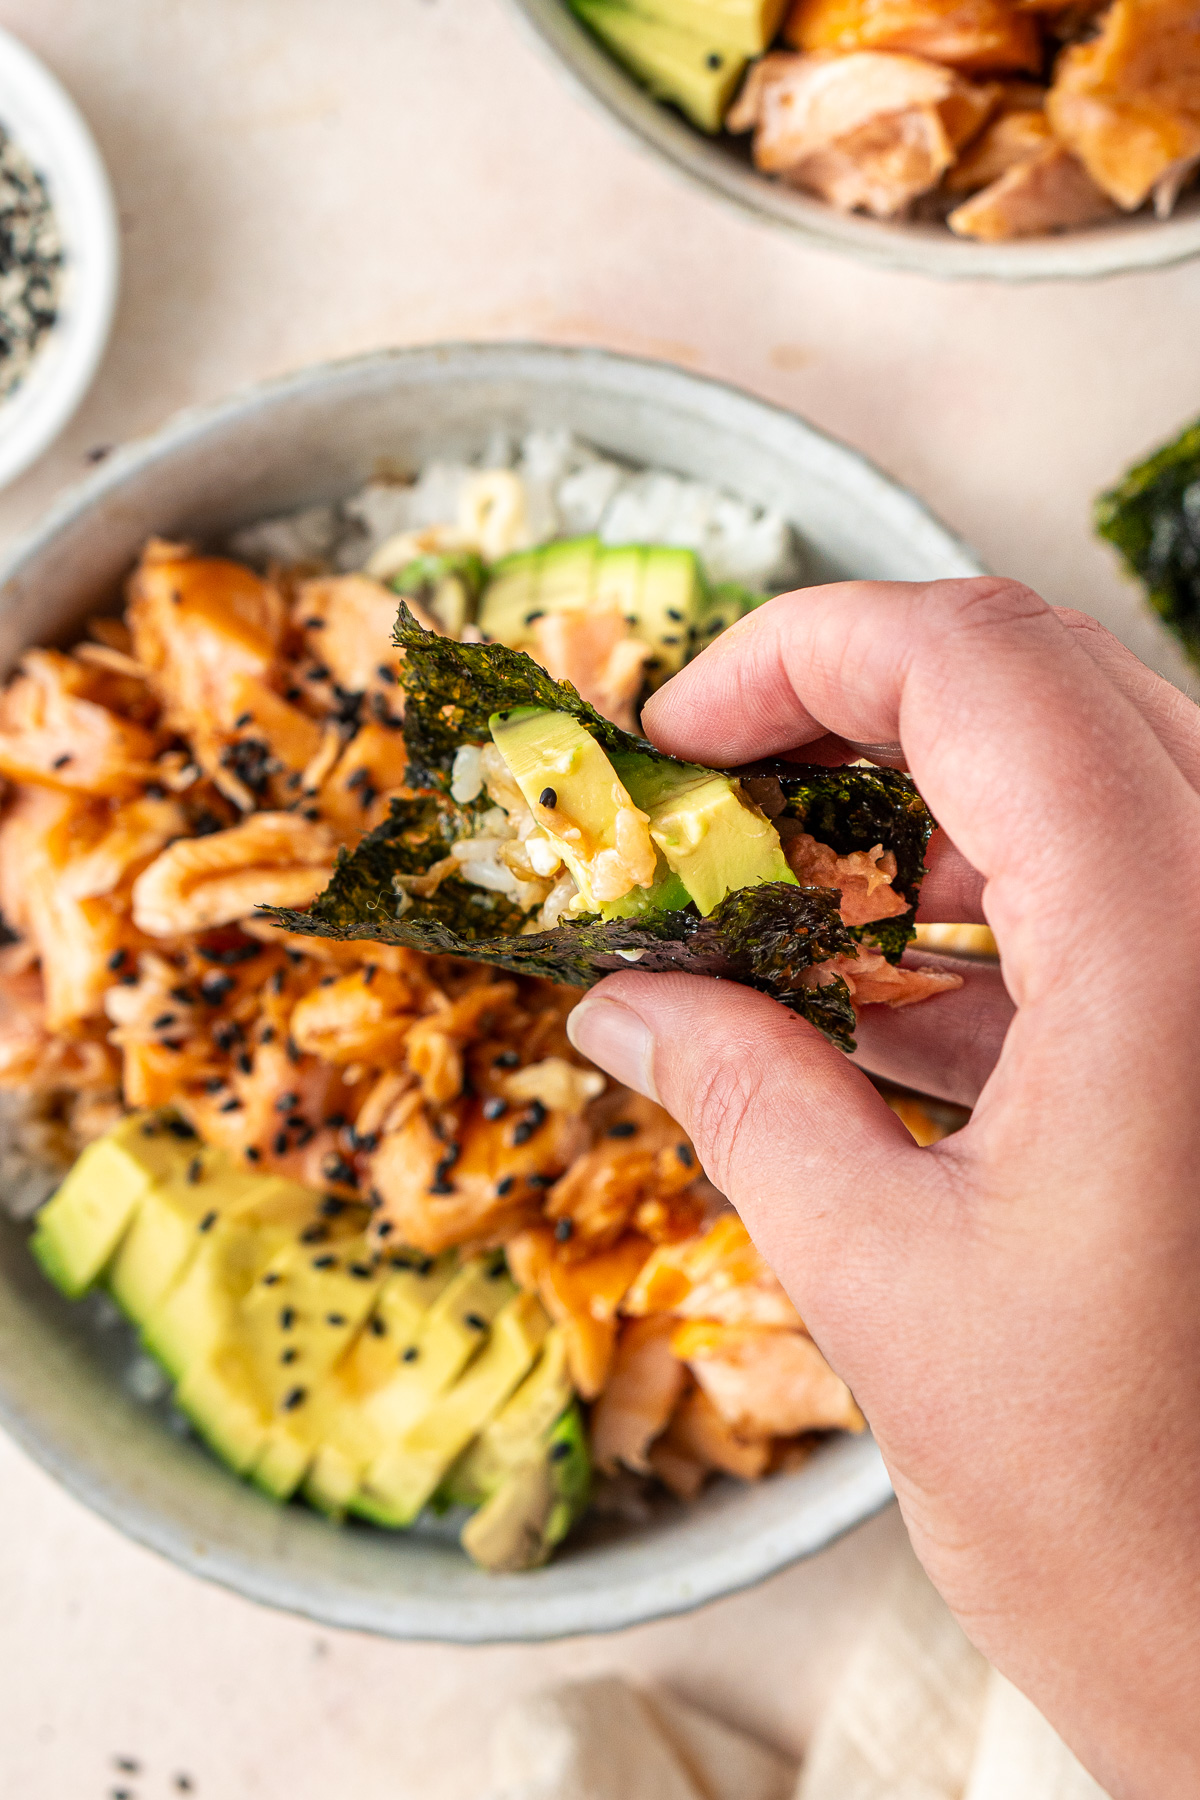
[(440, 1185), (315, 624), (295, 957), (361, 1271), (548, 797), (475, 1322), (369, 973), (335, 1121), (233, 1104), (245, 1062), (318, 672), (286, 1102), (242, 720), (715, 60), (378, 1326), (183, 1784), (505, 1186), (564, 1229), (149, 1130), (60, 762), (333, 1206), (673, 614), (293, 1050), (385, 1228), (624, 1128), (386, 674), (539, 1181), (181, 1129), (410, 1355), (207, 1222), (289, 1355), (272, 1278), (280, 1143), (314, 1234), (324, 1262), (277, 981), (214, 1084), (184, 995), (670, 640), (293, 1398), (507, 1059), (195, 1170), (560, 1451), (127, 1765), (252, 1153), (335, 1318), (129, 981), (336, 1168), (117, 958), (532, 617), (267, 1035), (685, 1155), (357, 778), (287, 1318), (495, 1108)]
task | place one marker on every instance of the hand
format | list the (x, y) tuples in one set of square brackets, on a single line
[(1017, 1309)]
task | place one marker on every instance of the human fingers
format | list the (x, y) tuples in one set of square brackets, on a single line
[(783, 1123), (1173, 718), (947, 1048), (952, 891), (1045, 776)]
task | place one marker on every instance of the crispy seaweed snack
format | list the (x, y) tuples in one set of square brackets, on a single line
[(1153, 518), (547, 840)]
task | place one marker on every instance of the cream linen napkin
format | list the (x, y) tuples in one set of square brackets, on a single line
[(604, 1740), (919, 1715)]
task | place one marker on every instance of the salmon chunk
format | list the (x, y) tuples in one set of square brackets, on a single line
[(869, 131), (1127, 102), (55, 731), (763, 1383), (1010, 140), (973, 35), (1050, 191)]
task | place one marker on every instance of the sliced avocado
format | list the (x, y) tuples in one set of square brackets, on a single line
[(698, 73), (747, 25), (709, 834), (536, 1504), (389, 1380), (571, 787), (403, 1478), (195, 1314), (510, 598), (446, 586), (83, 1222), (165, 1233), (725, 604), (672, 600), (619, 579), (518, 1430), (567, 573)]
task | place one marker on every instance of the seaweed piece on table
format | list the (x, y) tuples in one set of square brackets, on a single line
[(1153, 518)]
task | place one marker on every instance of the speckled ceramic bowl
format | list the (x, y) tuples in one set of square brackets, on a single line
[(722, 165), (70, 1375)]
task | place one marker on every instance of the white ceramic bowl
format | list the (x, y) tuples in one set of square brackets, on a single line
[(722, 165), (64, 1371), (44, 121)]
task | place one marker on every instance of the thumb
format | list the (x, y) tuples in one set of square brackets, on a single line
[(813, 1158)]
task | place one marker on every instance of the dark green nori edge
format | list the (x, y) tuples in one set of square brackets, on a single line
[(765, 937), (1153, 518)]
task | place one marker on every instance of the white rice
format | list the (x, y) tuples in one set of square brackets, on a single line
[(570, 489)]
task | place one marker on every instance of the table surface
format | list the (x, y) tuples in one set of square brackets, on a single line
[(300, 180)]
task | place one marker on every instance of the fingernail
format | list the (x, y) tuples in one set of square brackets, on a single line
[(613, 1036)]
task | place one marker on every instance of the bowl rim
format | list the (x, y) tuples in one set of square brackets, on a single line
[(81, 194), (1126, 245), (855, 1484)]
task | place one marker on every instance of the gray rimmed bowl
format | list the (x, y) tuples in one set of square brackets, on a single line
[(69, 1374), (722, 166)]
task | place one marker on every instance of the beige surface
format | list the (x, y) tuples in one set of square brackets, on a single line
[(301, 179)]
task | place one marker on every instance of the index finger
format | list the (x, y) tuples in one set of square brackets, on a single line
[(1046, 777)]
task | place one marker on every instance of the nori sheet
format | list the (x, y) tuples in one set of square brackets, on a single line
[(765, 937), (1153, 518)]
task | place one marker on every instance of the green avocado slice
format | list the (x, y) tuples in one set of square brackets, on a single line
[(699, 73), (534, 1506), (82, 1224)]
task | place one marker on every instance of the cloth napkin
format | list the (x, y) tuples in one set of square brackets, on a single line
[(917, 1715)]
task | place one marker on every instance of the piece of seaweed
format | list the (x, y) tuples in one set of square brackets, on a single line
[(1153, 518), (767, 937)]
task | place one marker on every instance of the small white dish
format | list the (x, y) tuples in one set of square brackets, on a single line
[(48, 127), (723, 167)]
